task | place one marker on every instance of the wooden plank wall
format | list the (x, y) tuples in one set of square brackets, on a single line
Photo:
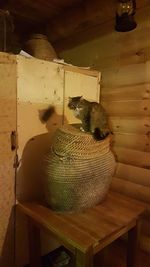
[(124, 60)]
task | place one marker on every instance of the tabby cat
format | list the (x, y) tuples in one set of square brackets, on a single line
[(92, 115)]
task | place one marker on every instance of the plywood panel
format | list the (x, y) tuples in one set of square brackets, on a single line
[(77, 84), (8, 78), (6, 123), (7, 92), (39, 80), (40, 84), (7, 172), (5, 138), (8, 107), (83, 70), (29, 124)]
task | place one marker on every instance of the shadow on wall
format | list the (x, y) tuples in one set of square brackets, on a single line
[(30, 182), (31, 173)]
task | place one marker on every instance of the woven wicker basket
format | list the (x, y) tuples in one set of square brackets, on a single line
[(39, 47), (79, 170)]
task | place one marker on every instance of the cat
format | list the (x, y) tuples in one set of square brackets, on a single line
[(45, 114), (92, 115)]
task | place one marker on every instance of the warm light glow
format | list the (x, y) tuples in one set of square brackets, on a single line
[(125, 8)]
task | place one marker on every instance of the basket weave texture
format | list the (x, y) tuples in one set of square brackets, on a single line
[(39, 47), (79, 170)]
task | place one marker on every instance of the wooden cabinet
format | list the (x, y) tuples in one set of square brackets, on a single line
[(7, 156), (27, 86)]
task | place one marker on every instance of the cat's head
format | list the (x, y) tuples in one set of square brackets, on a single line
[(74, 102)]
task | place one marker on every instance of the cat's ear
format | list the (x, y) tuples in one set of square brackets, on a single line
[(81, 97), (69, 98)]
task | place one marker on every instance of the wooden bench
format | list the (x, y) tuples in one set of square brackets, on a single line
[(88, 232)]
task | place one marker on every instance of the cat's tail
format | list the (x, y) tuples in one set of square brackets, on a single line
[(100, 135), (46, 114)]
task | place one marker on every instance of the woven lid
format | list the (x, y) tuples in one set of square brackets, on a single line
[(70, 140)]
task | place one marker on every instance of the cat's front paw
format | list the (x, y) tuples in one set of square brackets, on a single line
[(81, 128)]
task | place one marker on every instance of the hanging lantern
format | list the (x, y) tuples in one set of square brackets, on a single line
[(125, 16)]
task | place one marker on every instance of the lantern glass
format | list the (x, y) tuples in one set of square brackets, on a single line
[(125, 16)]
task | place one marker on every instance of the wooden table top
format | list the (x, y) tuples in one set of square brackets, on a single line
[(95, 227)]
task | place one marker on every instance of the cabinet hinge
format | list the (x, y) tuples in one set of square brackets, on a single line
[(14, 140), (16, 162)]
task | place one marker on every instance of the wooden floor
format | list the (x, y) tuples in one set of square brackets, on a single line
[(115, 256)]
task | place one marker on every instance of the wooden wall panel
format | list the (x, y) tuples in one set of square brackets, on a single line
[(133, 141), (124, 61), (132, 157), (131, 189), (131, 125), (134, 92), (7, 157), (128, 108), (133, 174)]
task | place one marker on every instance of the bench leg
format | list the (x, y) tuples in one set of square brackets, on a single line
[(101, 257), (84, 259), (133, 245), (34, 245)]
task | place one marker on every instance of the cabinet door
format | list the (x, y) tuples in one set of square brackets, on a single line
[(40, 84), (7, 157), (79, 84)]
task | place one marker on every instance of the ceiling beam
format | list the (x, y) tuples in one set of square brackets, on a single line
[(76, 18), (72, 26), (83, 23)]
